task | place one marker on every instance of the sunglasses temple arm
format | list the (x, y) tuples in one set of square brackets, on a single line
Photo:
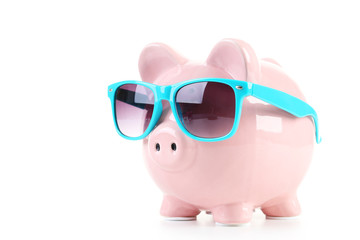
[(288, 103)]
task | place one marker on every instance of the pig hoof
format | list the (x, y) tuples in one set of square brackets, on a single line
[(178, 210), (288, 208), (233, 214), (232, 224), (179, 218), (282, 218)]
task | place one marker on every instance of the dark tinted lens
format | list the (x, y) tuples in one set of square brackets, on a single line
[(207, 109), (134, 106)]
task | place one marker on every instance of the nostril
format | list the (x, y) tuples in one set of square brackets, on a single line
[(157, 147), (173, 146)]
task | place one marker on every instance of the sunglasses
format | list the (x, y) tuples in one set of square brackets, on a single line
[(206, 109)]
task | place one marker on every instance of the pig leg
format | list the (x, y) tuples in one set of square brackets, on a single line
[(233, 214), (285, 208), (175, 209)]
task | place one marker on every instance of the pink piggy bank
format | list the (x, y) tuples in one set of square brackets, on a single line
[(261, 166)]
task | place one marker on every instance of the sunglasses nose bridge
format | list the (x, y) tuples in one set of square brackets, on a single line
[(164, 92), (163, 95)]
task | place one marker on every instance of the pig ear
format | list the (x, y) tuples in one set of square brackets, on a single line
[(157, 58), (236, 58)]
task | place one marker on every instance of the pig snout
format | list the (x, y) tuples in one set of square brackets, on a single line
[(170, 148)]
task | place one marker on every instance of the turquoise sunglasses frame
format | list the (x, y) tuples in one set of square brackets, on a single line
[(242, 89)]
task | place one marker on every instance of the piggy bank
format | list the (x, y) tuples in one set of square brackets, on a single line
[(260, 166)]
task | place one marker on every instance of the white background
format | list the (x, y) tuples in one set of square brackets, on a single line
[(66, 174)]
